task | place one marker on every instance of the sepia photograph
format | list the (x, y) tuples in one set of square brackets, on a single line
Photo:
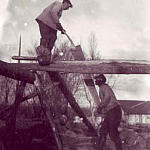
[(74, 75)]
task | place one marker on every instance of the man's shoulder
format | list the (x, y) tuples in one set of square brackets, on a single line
[(105, 87), (57, 3)]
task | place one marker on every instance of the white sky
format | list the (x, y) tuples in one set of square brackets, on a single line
[(3, 14), (121, 27)]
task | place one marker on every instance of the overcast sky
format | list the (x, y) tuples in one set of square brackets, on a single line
[(121, 27)]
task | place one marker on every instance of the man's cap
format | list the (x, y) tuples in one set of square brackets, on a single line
[(68, 1), (100, 77)]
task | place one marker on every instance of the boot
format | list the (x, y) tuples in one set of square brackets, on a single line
[(43, 55), (101, 143), (44, 60), (118, 144)]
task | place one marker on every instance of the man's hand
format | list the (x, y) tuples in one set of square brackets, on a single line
[(60, 28), (63, 31), (99, 109)]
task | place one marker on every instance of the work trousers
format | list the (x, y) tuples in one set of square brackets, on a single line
[(110, 126), (48, 35)]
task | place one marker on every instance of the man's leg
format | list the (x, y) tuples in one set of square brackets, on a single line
[(114, 122), (48, 38), (43, 55), (114, 136), (103, 135)]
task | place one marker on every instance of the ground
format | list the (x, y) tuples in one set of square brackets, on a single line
[(33, 134)]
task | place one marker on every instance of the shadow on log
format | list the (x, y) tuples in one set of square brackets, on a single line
[(14, 72)]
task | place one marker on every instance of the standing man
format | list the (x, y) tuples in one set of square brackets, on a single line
[(49, 23), (111, 109)]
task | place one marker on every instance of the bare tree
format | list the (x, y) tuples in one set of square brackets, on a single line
[(92, 45), (73, 79), (31, 51)]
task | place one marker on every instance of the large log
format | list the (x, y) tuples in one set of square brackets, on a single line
[(93, 67), (15, 72)]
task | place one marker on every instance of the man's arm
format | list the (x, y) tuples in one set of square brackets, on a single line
[(105, 91), (56, 11)]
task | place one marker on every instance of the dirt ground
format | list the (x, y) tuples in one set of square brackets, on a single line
[(35, 135)]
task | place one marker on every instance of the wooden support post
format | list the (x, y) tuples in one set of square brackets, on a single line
[(46, 110), (11, 123), (55, 76)]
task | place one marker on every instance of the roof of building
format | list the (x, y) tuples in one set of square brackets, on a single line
[(130, 107), (135, 107)]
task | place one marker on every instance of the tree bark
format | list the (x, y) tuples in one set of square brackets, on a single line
[(15, 72), (92, 67)]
